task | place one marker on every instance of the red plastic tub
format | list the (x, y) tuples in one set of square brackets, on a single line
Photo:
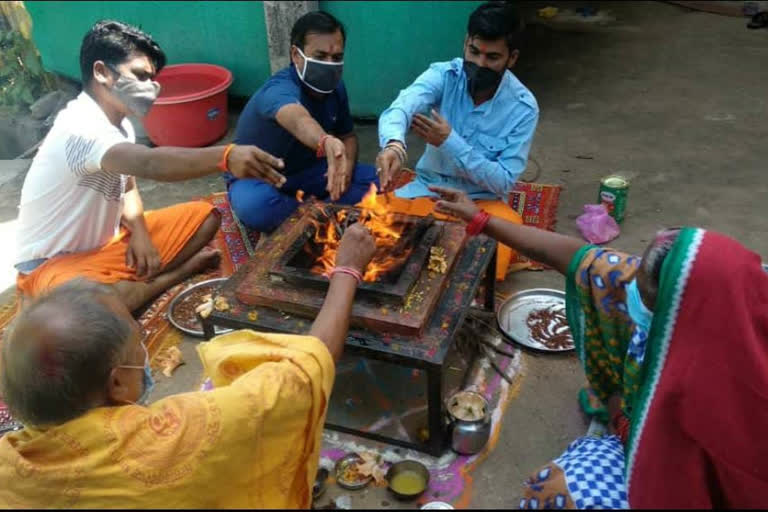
[(191, 110)]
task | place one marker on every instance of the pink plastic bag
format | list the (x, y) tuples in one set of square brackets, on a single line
[(596, 225)]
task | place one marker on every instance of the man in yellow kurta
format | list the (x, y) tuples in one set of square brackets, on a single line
[(74, 370)]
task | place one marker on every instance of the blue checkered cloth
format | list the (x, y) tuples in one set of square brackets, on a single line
[(594, 473)]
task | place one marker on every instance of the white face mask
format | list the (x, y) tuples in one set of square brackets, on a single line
[(137, 95), (319, 75)]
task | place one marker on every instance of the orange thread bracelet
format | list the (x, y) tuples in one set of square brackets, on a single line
[(222, 165)]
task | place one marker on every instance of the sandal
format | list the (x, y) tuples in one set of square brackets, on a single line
[(759, 20)]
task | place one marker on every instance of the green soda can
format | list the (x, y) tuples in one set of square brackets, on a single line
[(613, 194)]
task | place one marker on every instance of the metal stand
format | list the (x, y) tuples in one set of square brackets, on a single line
[(480, 258)]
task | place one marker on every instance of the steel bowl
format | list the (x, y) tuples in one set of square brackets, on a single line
[(341, 465), (408, 465), (185, 293)]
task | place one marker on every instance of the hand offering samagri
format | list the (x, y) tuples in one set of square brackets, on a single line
[(169, 360), (205, 308)]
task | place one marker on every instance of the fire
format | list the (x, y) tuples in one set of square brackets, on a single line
[(376, 217)]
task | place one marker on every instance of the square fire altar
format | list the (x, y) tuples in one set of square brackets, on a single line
[(414, 258), (415, 296)]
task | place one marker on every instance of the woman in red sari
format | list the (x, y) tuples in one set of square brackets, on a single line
[(676, 345)]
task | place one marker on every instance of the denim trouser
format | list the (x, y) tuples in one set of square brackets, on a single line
[(263, 207)]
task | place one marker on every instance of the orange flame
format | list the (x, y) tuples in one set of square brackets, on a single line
[(376, 217)]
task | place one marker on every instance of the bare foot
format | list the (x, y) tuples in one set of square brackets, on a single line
[(205, 258), (135, 294)]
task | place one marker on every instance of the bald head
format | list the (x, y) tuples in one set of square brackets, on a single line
[(58, 354)]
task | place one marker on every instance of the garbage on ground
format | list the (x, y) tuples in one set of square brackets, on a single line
[(343, 502), (169, 360), (596, 225)]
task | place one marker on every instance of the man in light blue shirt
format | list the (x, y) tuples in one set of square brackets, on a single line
[(481, 126)]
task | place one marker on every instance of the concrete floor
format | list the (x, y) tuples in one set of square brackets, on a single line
[(674, 99)]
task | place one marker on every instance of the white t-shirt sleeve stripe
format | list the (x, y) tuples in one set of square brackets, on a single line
[(68, 203)]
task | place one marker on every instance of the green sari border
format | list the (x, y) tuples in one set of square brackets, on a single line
[(674, 275)]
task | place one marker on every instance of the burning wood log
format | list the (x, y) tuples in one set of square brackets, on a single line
[(351, 217), (406, 243), (336, 226), (413, 235)]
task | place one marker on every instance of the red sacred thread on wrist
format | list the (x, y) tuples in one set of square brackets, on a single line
[(478, 223), (321, 146)]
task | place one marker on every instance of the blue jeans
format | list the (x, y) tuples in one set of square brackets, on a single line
[(262, 207)]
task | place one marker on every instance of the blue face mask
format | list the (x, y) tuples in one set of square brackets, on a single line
[(638, 312), (147, 380)]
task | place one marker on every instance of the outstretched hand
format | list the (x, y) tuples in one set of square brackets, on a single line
[(252, 162), (336, 153), (455, 203)]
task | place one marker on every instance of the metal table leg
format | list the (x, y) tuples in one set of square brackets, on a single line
[(436, 424), (490, 283), (208, 328)]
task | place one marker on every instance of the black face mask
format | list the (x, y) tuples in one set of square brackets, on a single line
[(480, 79), (319, 75)]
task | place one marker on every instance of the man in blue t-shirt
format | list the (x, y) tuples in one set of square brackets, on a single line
[(301, 114)]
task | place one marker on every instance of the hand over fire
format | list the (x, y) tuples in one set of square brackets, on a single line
[(252, 162), (389, 163), (455, 203), (356, 248), (338, 181)]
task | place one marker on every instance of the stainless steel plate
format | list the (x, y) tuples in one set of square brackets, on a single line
[(513, 315), (180, 297), (341, 464)]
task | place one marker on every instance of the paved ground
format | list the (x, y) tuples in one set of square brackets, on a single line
[(674, 99)]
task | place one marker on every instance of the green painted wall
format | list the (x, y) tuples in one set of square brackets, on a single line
[(390, 43), (230, 34)]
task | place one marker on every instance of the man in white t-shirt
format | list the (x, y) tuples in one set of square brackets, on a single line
[(81, 214)]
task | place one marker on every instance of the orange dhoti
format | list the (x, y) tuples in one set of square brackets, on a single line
[(170, 229), (423, 206)]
